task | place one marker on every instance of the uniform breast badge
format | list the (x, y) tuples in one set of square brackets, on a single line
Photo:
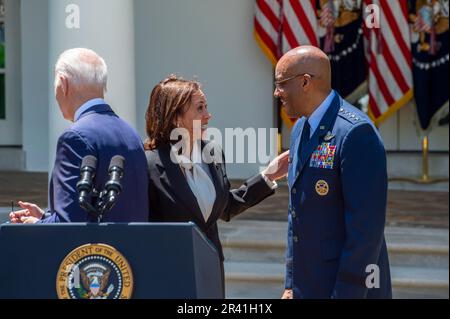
[(323, 156), (322, 187), (328, 137)]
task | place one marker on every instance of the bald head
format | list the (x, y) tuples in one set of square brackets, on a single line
[(306, 59), (303, 80)]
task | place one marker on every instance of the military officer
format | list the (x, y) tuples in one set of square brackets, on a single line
[(338, 187)]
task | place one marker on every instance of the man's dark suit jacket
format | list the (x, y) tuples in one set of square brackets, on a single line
[(101, 133)]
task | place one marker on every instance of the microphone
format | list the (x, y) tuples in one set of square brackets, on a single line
[(113, 187), (84, 185)]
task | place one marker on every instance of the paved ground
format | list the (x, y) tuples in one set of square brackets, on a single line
[(405, 208), (26, 186)]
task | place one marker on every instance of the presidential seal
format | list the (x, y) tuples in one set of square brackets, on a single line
[(94, 271)]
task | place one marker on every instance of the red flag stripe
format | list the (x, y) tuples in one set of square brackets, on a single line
[(292, 40), (373, 106), (404, 63), (393, 67), (396, 31), (381, 83), (269, 14), (304, 21), (265, 38)]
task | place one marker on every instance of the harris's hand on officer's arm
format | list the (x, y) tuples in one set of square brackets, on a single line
[(256, 188), (278, 167), (30, 214), (287, 294)]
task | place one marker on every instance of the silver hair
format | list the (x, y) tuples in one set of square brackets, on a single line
[(82, 66)]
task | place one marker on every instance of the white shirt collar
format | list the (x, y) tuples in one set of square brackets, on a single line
[(87, 105), (315, 118), (198, 179)]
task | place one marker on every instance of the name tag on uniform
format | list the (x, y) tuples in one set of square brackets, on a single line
[(323, 156)]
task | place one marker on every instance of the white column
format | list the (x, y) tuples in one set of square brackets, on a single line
[(10, 127), (107, 27), (35, 86)]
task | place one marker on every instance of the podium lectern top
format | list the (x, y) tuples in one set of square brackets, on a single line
[(106, 261)]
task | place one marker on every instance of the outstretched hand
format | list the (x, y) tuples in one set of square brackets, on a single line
[(278, 168)]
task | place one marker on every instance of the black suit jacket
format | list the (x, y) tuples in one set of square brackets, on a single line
[(171, 199)]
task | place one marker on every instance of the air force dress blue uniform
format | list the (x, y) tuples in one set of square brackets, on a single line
[(337, 206), (98, 131)]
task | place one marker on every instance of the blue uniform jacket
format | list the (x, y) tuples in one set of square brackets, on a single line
[(337, 209), (101, 133)]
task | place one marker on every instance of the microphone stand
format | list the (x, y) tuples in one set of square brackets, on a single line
[(103, 202), (87, 206), (101, 206), (100, 202)]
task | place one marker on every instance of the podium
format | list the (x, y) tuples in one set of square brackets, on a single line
[(107, 261)]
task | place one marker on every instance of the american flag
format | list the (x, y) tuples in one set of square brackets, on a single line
[(327, 19), (421, 25), (389, 60), (281, 25)]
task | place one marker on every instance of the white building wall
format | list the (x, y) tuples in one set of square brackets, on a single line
[(213, 40), (400, 132), (35, 101)]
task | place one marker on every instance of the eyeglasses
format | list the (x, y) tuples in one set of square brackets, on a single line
[(279, 82)]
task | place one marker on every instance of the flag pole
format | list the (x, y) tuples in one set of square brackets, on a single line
[(425, 178)]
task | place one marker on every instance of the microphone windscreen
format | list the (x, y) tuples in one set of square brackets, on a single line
[(117, 161), (89, 161)]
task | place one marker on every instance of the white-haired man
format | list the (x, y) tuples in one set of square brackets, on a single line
[(80, 83)]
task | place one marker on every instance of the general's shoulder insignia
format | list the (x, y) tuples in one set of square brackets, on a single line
[(94, 271), (349, 116), (322, 188), (323, 156)]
